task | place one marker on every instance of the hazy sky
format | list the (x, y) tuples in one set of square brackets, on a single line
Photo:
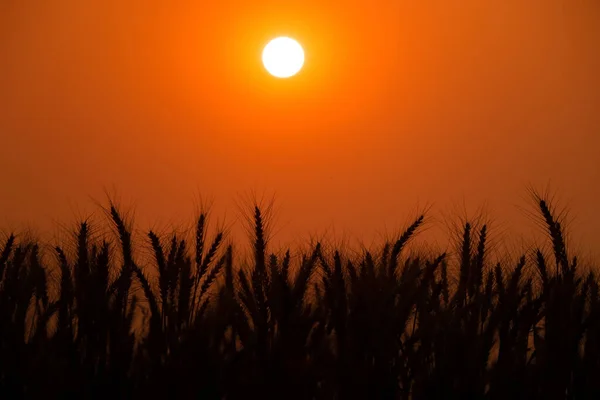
[(401, 103)]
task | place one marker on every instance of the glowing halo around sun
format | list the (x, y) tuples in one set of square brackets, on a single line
[(283, 57)]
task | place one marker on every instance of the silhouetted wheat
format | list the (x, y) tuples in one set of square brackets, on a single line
[(198, 323)]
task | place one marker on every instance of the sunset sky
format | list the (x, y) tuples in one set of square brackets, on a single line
[(400, 104)]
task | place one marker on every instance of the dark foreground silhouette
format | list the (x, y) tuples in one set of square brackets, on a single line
[(91, 321)]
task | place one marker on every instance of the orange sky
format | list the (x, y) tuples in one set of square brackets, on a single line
[(401, 103)]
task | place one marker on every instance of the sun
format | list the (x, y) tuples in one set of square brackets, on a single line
[(283, 57)]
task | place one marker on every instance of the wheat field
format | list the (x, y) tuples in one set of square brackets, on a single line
[(89, 319)]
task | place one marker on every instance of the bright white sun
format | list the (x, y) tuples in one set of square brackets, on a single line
[(283, 57)]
